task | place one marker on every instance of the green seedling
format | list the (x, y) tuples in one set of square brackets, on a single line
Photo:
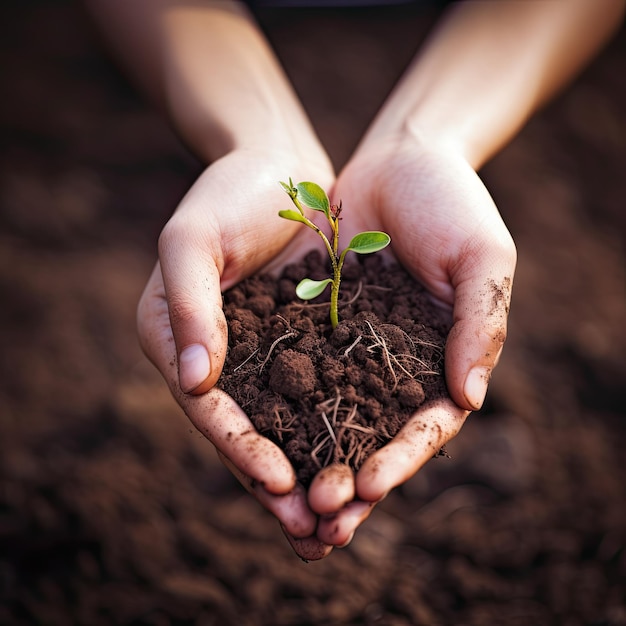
[(314, 197)]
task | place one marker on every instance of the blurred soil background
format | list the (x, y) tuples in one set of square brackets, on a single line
[(113, 510)]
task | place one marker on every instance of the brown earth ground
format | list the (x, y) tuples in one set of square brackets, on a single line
[(114, 511)]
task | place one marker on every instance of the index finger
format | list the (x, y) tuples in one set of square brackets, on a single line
[(220, 419), (417, 442), (215, 414)]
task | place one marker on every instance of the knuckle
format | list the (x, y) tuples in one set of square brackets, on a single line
[(493, 339), (172, 233), (182, 308)]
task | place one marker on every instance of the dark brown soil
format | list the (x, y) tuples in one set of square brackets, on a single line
[(333, 396), (114, 511)]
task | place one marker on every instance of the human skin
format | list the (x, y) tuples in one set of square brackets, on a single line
[(480, 75)]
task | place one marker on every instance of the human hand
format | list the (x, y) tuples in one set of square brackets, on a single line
[(447, 232), (224, 230)]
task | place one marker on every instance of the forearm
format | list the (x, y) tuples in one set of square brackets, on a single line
[(489, 66), (207, 65)]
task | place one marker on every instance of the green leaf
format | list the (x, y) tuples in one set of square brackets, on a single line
[(289, 188), (368, 242), (314, 197), (308, 289), (294, 216)]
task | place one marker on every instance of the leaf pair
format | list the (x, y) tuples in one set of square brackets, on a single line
[(314, 197)]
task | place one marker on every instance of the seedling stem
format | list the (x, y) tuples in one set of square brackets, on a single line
[(313, 196)]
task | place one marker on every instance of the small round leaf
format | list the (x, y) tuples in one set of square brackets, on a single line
[(294, 216), (368, 242), (308, 289), (314, 197)]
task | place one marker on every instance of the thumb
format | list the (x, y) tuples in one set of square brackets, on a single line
[(481, 309), (192, 288)]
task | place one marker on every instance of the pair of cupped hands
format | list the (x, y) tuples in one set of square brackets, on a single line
[(445, 230)]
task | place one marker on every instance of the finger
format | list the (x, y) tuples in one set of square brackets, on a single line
[(296, 520), (192, 286), (416, 443), (291, 509), (331, 489), (218, 417), (214, 414), (310, 548), (338, 529), (153, 328), (483, 283)]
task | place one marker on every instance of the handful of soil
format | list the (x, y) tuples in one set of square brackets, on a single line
[(333, 396)]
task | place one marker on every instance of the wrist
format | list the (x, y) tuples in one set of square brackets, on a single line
[(489, 66), (414, 137), (223, 87), (210, 142), (435, 123)]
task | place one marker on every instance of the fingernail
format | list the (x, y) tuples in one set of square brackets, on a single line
[(194, 367), (476, 386), (347, 543)]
